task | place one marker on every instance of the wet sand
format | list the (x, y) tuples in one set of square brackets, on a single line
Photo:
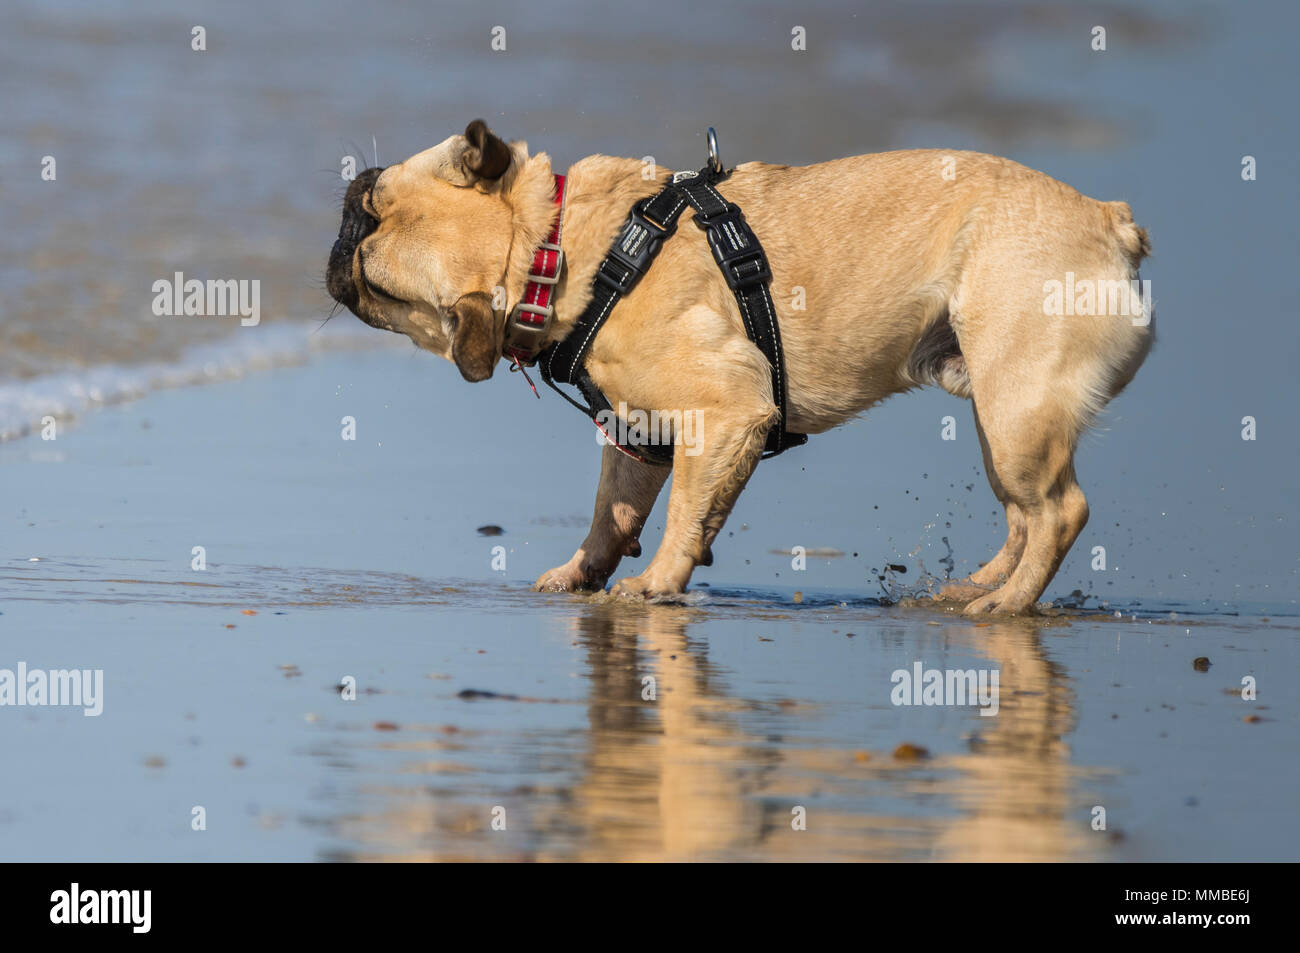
[(362, 559), (328, 559)]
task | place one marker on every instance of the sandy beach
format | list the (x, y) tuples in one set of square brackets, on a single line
[(291, 558), (363, 560)]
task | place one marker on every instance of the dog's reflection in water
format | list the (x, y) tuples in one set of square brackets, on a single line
[(1018, 794), (670, 774), (689, 775), (675, 766)]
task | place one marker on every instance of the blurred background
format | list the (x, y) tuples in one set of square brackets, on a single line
[(226, 163)]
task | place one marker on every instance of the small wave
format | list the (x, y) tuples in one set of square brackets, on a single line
[(67, 395)]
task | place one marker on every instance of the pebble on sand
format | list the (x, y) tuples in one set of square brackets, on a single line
[(911, 752)]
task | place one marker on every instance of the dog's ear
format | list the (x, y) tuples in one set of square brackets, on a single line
[(486, 157), (478, 158), (478, 339)]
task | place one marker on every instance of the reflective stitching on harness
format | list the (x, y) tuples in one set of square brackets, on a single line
[(595, 326), (780, 384), (697, 190), (776, 398), (714, 193)]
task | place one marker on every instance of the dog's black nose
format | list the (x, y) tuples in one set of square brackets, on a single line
[(356, 225)]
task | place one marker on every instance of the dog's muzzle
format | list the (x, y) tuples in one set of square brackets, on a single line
[(339, 280)]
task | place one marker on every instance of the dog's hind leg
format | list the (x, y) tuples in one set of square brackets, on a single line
[(1042, 367), (1030, 425), (624, 498), (1030, 414), (997, 570), (1055, 512), (1030, 418)]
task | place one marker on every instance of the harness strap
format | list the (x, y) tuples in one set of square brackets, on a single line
[(744, 266)]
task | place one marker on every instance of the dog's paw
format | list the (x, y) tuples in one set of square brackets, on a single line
[(568, 578), (559, 579), (961, 592), (1001, 601), (983, 605), (644, 587)]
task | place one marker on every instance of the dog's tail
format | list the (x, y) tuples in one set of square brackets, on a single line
[(1133, 240), (1134, 245)]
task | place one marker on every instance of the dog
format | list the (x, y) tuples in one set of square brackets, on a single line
[(890, 271)]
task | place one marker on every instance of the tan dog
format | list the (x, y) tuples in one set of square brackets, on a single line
[(920, 267)]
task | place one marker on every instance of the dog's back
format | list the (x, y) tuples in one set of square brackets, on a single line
[(898, 263)]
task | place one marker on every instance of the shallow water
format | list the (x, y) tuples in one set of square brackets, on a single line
[(767, 698), (328, 558), (761, 706)]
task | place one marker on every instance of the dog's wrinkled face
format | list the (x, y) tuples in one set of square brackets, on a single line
[(424, 243)]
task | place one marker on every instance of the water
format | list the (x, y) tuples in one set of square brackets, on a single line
[(327, 559), (362, 558), (761, 707)]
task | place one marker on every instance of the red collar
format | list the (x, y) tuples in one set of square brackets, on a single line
[(527, 326)]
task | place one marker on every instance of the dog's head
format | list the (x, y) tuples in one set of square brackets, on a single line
[(425, 244)]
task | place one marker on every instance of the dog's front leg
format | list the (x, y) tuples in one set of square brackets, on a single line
[(705, 487), (624, 498)]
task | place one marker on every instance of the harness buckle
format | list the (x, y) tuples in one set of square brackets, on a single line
[(735, 248), (533, 324), (559, 265), (633, 251)]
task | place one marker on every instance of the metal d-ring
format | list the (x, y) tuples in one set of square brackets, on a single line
[(715, 163)]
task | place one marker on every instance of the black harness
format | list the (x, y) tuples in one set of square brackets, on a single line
[(744, 266)]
